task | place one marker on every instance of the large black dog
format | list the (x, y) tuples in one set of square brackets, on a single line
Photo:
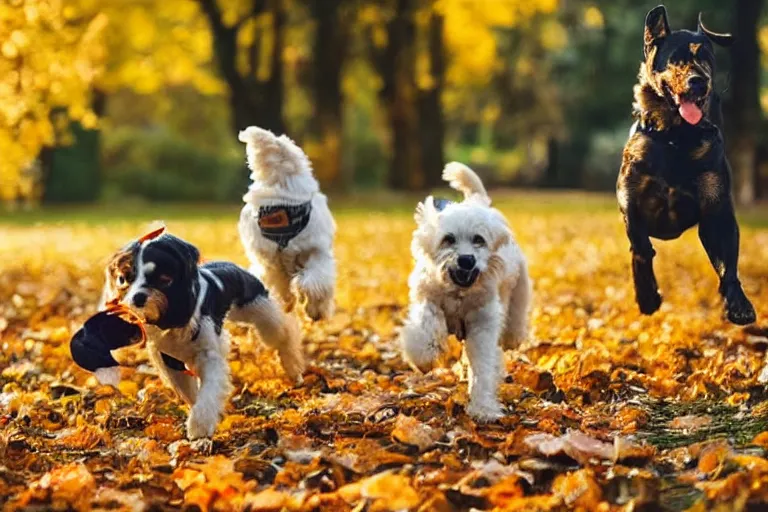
[(674, 172)]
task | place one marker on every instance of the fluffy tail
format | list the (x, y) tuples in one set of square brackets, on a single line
[(270, 153), (462, 178)]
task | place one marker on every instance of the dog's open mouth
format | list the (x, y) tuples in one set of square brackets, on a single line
[(690, 111), (464, 278), (688, 108)]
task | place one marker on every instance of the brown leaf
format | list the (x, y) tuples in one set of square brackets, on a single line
[(409, 430)]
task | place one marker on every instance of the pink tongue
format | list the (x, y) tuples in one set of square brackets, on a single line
[(690, 112)]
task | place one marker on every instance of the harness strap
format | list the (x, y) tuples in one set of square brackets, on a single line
[(282, 223)]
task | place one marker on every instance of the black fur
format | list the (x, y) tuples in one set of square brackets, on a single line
[(674, 174), (177, 260)]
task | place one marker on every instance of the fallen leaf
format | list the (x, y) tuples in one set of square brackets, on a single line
[(409, 430)]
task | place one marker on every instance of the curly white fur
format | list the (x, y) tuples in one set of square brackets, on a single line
[(305, 270), (491, 313)]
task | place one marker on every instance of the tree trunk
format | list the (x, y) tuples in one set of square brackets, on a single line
[(72, 173), (743, 112), (252, 101), (431, 122), (330, 50), (396, 65)]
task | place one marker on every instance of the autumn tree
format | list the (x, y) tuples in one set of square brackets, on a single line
[(248, 40), (332, 20), (50, 56), (743, 111), (395, 62)]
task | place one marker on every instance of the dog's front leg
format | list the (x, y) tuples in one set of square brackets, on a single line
[(719, 234), (424, 334), (184, 385), (646, 290), (486, 361), (215, 386), (315, 284)]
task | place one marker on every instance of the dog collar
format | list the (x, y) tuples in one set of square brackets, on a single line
[(282, 223), (441, 204)]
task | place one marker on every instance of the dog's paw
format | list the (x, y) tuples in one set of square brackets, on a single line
[(485, 412), (649, 301), (294, 367), (738, 308), (318, 309), (204, 445), (201, 423)]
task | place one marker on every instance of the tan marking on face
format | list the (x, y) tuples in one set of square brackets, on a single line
[(121, 264), (676, 76), (709, 187), (701, 151), (157, 304), (694, 47)]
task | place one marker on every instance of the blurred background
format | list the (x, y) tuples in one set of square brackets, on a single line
[(141, 100)]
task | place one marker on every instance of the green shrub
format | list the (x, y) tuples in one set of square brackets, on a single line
[(159, 166)]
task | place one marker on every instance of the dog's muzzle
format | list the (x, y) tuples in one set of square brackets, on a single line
[(464, 278), (465, 273)]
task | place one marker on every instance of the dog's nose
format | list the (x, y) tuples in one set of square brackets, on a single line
[(466, 262), (140, 299), (697, 85)]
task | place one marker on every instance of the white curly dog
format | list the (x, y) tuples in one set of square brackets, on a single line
[(470, 280), (285, 226)]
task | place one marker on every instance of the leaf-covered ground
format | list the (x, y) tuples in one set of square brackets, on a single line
[(608, 410)]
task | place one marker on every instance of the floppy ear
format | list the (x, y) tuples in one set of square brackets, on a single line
[(656, 28), (186, 252), (719, 39), (192, 257), (426, 211)]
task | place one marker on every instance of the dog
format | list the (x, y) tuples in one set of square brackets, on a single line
[(674, 173), (470, 279), (285, 226), (183, 306)]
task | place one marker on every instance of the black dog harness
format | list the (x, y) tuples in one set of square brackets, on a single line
[(282, 223)]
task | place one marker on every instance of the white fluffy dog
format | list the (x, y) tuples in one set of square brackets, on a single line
[(285, 226), (470, 280)]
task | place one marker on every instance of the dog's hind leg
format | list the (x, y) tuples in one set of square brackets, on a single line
[(314, 284), (276, 329), (646, 289), (424, 334), (719, 234)]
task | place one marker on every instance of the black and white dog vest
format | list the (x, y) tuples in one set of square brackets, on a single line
[(282, 223)]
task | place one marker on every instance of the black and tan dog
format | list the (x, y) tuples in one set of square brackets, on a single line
[(674, 173)]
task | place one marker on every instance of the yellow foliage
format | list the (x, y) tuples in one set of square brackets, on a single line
[(469, 33), (54, 53), (56, 70), (593, 17)]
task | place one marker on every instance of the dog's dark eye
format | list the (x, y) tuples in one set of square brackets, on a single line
[(120, 280), (165, 280), (478, 240), (449, 239)]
